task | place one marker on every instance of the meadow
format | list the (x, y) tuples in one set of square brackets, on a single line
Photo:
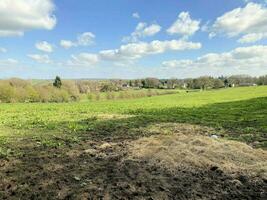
[(32, 134), (240, 113)]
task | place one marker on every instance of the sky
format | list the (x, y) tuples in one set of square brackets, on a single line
[(127, 39)]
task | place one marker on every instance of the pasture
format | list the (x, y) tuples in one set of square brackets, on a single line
[(70, 150)]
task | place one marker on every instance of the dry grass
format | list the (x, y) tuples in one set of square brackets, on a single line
[(196, 150)]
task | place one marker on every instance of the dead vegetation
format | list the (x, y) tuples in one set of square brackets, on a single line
[(180, 161), (189, 148)]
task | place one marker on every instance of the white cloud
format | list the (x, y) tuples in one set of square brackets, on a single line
[(142, 30), (8, 61), (2, 50), (177, 63), (67, 44), (250, 22), (184, 25), (130, 52), (138, 50), (23, 15), (5, 33), (40, 58), (252, 37), (136, 15), (242, 59), (83, 59), (84, 39), (44, 46), (150, 30)]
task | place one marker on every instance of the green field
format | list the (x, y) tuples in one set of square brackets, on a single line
[(139, 147), (237, 113)]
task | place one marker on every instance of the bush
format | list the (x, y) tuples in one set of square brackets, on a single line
[(59, 96), (72, 90), (108, 88), (7, 93), (44, 93), (17, 90)]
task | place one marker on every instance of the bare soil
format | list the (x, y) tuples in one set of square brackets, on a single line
[(105, 169)]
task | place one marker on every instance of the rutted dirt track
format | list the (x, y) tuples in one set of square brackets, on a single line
[(106, 170)]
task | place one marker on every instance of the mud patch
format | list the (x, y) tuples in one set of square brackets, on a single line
[(127, 169)]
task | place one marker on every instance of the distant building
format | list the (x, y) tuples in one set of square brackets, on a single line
[(247, 84), (184, 85), (125, 85)]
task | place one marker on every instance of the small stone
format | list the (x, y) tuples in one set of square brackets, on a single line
[(83, 184), (90, 151), (105, 146), (77, 178), (214, 136), (236, 182)]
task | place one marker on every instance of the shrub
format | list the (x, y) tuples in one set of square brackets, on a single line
[(16, 82), (44, 93), (7, 92), (108, 88), (32, 94), (59, 95), (72, 89)]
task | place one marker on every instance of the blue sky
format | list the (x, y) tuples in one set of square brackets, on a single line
[(132, 38)]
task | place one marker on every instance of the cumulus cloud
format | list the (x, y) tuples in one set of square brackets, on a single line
[(44, 46), (40, 58), (67, 44), (184, 25), (142, 30), (23, 15), (252, 37), (250, 22), (240, 59), (84, 39), (136, 15), (139, 50), (83, 59), (132, 51), (2, 50)]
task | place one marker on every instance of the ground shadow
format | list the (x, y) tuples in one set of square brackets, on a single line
[(240, 120)]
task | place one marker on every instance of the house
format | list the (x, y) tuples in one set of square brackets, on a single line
[(247, 84), (125, 85)]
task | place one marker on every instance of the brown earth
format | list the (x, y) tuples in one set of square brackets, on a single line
[(130, 169)]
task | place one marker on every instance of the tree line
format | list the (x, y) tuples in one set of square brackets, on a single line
[(57, 90), (203, 82)]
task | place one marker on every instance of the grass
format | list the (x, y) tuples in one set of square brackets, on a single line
[(238, 113), (84, 149)]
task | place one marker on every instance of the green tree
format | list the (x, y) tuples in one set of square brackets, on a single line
[(57, 83)]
